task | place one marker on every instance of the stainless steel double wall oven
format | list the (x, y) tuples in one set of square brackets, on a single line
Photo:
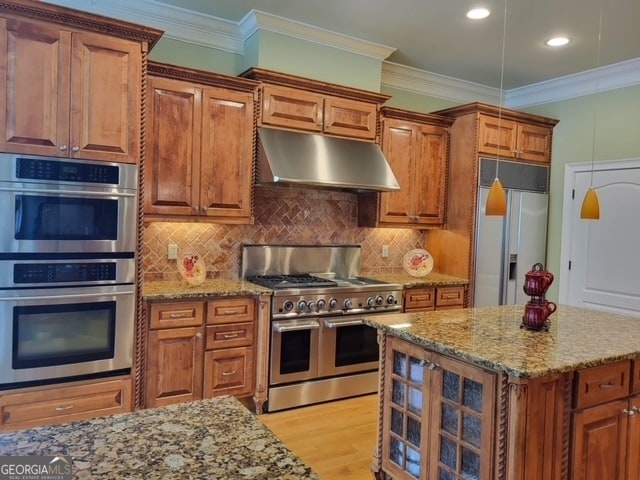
[(320, 349), (67, 269)]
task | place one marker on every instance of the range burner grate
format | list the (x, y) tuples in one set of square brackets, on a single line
[(303, 280)]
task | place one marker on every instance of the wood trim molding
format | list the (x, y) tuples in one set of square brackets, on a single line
[(201, 77), (80, 20), (507, 114)]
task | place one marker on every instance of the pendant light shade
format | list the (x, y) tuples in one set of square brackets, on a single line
[(590, 206), (497, 200)]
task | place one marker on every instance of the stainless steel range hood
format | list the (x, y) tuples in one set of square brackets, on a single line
[(319, 161)]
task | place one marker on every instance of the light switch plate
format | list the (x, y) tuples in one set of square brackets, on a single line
[(172, 251), (385, 251)]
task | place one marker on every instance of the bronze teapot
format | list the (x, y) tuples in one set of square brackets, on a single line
[(537, 281)]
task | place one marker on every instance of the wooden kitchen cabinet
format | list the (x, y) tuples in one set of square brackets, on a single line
[(175, 358), (471, 137), (69, 93), (419, 299), (416, 146), (229, 360), (514, 140), (38, 406), (606, 425), (199, 146), (438, 415), (302, 104)]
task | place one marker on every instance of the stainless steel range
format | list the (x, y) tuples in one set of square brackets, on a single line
[(320, 348)]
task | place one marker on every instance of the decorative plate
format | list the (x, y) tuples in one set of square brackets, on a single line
[(417, 262), (192, 268)]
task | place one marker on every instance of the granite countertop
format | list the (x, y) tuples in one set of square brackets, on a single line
[(433, 279), (175, 289), (209, 439), (491, 337)]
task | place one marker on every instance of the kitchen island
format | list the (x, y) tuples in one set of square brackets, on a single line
[(209, 439), (468, 393)]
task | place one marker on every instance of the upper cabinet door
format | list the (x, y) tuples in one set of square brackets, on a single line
[(497, 137), (69, 94), (291, 108), (430, 175), (350, 118), (227, 154), (34, 84), (398, 146), (172, 167), (106, 75)]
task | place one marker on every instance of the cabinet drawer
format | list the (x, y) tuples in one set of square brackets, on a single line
[(422, 298), (65, 404), (602, 384), (449, 297), (230, 335), (228, 372), (230, 310), (176, 314)]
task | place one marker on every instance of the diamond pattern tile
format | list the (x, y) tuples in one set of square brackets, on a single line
[(282, 216)]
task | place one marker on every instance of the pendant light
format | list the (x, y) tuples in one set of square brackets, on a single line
[(497, 199), (591, 204)]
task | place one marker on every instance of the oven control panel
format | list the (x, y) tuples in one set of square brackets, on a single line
[(336, 303)]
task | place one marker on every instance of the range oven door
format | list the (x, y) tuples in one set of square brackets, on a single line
[(347, 345), (294, 350), (47, 335)]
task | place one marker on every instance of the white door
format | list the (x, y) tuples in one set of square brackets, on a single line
[(602, 257)]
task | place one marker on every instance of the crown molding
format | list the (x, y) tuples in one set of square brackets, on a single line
[(434, 85), (257, 20), (589, 82), (213, 32)]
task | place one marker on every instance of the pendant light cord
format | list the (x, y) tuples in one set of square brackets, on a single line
[(504, 42), (593, 140)]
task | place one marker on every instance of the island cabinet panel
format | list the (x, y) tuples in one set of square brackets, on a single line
[(438, 415), (69, 93), (175, 353), (37, 406), (199, 146)]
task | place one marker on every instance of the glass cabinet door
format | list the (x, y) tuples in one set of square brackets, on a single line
[(462, 420), (405, 417)]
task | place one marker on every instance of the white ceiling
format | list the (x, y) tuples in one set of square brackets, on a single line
[(435, 36)]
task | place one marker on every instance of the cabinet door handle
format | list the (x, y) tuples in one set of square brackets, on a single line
[(228, 374), (230, 335), (64, 409), (630, 412), (609, 384)]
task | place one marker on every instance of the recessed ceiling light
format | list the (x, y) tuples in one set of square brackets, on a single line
[(557, 41), (478, 13)]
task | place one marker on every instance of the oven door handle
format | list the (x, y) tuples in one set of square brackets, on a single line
[(292, 327), (343, 323), (67, 193), (68, 295)]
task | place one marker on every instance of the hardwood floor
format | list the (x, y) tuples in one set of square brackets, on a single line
[(336, 439)]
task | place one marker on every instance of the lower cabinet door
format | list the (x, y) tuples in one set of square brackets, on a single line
[(228, 372)]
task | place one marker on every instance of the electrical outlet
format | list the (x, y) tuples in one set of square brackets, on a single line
[(172, 251), (385, 251)]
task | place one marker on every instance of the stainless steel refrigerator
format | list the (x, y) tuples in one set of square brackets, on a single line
[(507, 247)]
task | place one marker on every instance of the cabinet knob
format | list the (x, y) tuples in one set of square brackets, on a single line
[(198, 335), (433, 366), (63, 148), (75, 148), (203, 209), (630, 412)]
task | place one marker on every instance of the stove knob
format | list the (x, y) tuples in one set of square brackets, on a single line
[(311, 306), (391, 300), (302, 306), (379, 300), (333, 303), (321, 304), (347, 304), (288, 306), (371, 302)]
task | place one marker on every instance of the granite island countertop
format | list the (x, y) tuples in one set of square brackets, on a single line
[(492, 337), (209, 439)]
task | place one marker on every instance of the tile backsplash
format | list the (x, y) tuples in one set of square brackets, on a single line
[(288, 216)]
